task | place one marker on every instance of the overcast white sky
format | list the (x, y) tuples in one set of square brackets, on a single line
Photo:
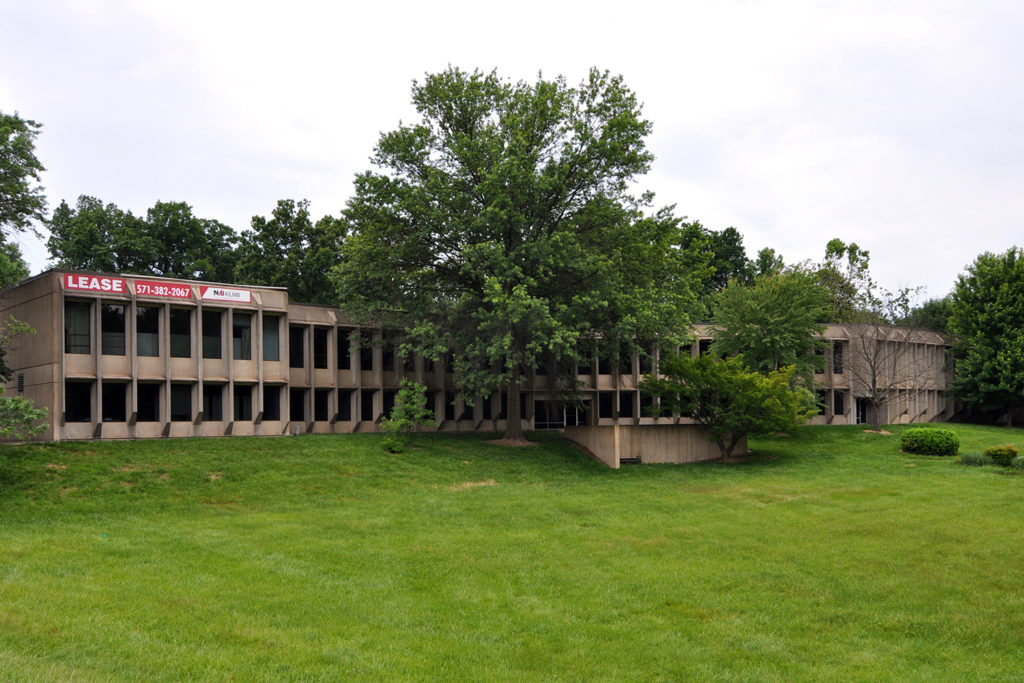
[(896, 125)]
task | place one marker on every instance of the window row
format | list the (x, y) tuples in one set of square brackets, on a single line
[(113, 331)]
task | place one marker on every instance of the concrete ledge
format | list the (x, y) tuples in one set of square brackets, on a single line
[(650, 443)]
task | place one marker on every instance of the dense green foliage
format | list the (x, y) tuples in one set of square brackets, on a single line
[(289, 250), (930, 441), (931, 315), (975, 460), (21, 196), (501, 225), (1002, 455), (729, 400), (773, 323), (13, 268), (987, 319), (825, 556), (19, 418), (170, 241)]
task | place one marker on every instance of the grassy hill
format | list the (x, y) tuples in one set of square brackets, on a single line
[(828, 554)]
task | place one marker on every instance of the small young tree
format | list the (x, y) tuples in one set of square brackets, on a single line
[(410, 414), (730, 401), (19, 419)]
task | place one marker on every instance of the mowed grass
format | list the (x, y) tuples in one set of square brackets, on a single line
[(828, 554)]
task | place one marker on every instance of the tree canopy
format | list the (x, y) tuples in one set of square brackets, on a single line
[(987, 319), (775, 322), (21, 196), (170, 241), (289, 250), (501, 225)]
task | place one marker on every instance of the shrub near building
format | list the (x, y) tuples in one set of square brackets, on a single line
[(925, 441)]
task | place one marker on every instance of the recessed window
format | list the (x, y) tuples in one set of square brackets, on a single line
[(114, 401), (297, 405), (147, 330), (321, 337), (76, 327), (78, 401), (344, 349), (271, 403), (213, 402), (212, 346), (112, 329), (345, 405), (321, 405), (243, 403), (271, 337), (241, 335), (837, 358), (181, 402), (366, 351), (297, 346), (148, 401), (366, 405), (181, 333)]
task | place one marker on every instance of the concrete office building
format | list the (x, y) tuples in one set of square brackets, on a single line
[(122, 356)]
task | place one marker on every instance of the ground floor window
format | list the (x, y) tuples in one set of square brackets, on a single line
[(366, 405), (297, 405), (321, 405), (181, 402), (838, 403), (213, 402), (271, 403), (345, 405), (148, 402), (78, 401), (243, 403), (114, 400)]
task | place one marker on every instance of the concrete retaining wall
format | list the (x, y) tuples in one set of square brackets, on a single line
[(677, 443)]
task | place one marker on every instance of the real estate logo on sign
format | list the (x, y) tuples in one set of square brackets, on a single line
[(242, 296)]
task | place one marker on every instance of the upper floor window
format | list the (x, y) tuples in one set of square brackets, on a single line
[(241, 335), (112, 329), (321, 338), (212, 347), (181, 333), (297, 346), (147, 330), (271, 337), (837, 358), (76, 327)]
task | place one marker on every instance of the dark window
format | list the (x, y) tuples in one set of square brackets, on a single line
[(320, 339), (388, 353), (389, 401), (366, 351), (366, 405), (647, 405), (271, 337), (213, 402), (147, 330), (449, 362), (212, 346), (181, 333), (837, 358), (321, 405), (148, 400), (666, 408), (488, 411), (449, 405), (468, 410), (606, 404), (297, 405), (76, 327), (704, 347), (626, 403), (429, 366), (625, 363), (271, 403), (838, 404), (243, 403), (112, 329), (686, 350), (115, 401), (78, 401), (819, 361), (296, 346), (541, 370), (345, 405), (584, 366), (241, 338), (344, 349), (503, 411), (604, 366), (181, 402), (646, 363)]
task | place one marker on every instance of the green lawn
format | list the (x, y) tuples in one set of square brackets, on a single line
[(828, 554)]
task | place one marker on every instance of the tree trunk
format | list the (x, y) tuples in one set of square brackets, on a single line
[(876, 415), (514, 423)]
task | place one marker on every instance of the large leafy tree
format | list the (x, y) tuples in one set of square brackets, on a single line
[(987, 319), (501, 225), (169, 241), (776, 322), (726, 258), (728, 399), (21, 196), (289, 250)]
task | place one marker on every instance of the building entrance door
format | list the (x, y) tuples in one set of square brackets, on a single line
[(862, 411)]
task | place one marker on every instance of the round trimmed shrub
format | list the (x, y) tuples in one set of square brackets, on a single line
[(1002, 455), (925, 441), (975, 459)]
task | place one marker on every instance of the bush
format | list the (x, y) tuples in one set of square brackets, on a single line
[(975, 459), (1018, 463), (930, 441), (1002, 455)]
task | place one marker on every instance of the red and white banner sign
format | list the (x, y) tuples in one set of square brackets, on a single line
[(95, 283), (162, 289), (241, 296)]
